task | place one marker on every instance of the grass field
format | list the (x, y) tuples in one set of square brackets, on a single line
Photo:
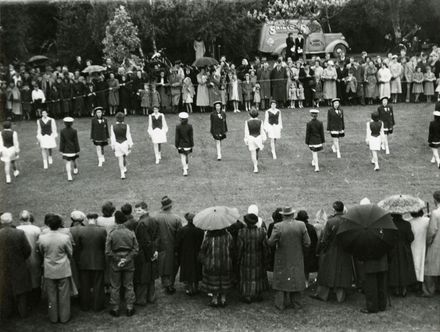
[(290, 180)]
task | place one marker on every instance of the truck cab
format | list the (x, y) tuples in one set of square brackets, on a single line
[(273, 37)]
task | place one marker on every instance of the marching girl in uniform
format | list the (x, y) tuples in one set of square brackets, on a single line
[(46, 134), (375, 137), (9, 150), (121, 142), (273, 125), (315, 137), (254, 136), (386, 115), (69, 147), (184, 141), (434, 138), (219, 127), (99, 134), (157, 129), (336, 125)]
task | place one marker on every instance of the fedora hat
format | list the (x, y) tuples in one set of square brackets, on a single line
[(250, 219), (287, 211), (166, 203)]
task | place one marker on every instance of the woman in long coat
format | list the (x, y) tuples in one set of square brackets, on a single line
[(216, 255), (252, 252), (264, 80), (384, 77), (202, 90), (125, 94), (214, 88), (419, 226), (278, 78), (401, 272), (113, 94), (188, 242), (371, 79), (329, 77)]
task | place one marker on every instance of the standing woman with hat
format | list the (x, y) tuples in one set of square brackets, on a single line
[(315, 137), (336, 125), (384, 77), (99, 133), (46, 134), (219, 127), (157, 129), (386, 115), (273, 125), (69, 147), (396, 70), (184, 140), (434, 138), (375, 137), (329, 76), (254, 136), (121, 142)]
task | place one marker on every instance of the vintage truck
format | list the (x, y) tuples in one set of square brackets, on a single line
[(273, 37)]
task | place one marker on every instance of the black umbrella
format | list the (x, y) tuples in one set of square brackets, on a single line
[(367, 232)]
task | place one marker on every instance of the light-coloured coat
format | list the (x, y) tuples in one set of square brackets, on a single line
[(432, 262)]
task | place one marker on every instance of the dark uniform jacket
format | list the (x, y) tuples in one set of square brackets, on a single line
[(315, 132), (121, 243), (99, 131), (69, 140), (335, 121), (386, 115), (184, 136)]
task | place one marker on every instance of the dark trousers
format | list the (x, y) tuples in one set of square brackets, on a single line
[(375, 290), (145, 293), (118, 279), (91, 291)]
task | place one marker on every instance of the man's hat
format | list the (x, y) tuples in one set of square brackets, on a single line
[(183, 115), (68, 119), (335, 99), (77, 215), (436, 113), (287, 211), (166, 203)]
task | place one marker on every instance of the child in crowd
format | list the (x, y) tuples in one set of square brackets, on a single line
[(155, 96), (317, 93), (293, 94), (300, 94), (418, 79), (223, 92), (428, 88), (257, 96), (146, 99), (351, 87), (188, 94)]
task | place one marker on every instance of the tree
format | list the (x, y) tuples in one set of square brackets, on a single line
[(121, 39)]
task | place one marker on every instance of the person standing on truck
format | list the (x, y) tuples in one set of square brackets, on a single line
[(290, 46), (299, 46)]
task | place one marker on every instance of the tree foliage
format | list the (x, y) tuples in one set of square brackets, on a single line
[(121, 39)]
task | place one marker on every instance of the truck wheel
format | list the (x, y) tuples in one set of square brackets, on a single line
[(339, 48)]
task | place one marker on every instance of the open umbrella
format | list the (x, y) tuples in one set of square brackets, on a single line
[(367, 232), (216, 217), (402, 204), (205, 61), (94, 69), (38, 58)]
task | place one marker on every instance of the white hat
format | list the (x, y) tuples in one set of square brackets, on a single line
[(68, 119), (313, 110), (253, 209), (365, 201), (436, 113), (77, 215), (183, 115), (330, 63)]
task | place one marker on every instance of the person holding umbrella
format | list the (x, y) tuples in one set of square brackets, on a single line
[(289, 237), (216, 251), (219, 128)]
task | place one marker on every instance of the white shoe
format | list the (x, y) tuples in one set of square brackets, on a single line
[(122, 175), (338, 155), (433, 160), (8, 179), (75, 171), (157, 161), (45, 164), (376, 167), (50, 160), (256, 169), (333, 148), (316, 168), (69, 177), (372, 161), (100, 163), (16, 173), (274, 155), (185, 172), (387, 151)]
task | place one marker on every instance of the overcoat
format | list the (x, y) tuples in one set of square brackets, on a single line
[(169, 223), (14, 273), (113, 94), (401, 272), (290, 237), (32, 233), (386, 115), (264, 80), (148, 237), (188, 243), (432, 262), (219, 127), (90, 247), (278, 78), (125, 94), (335, 265), (315, 132), (335, 121)]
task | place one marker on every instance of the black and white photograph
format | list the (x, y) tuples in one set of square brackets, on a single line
[(219, 165)]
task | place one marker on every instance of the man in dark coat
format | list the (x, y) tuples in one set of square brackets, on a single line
[(263, 77), (15, 278), (290, 46), (188, 242), (146, 271), (278, 78), (299, 46), (90, 248), (375, 284), (307, 78), (335, 268), (169, 223)]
